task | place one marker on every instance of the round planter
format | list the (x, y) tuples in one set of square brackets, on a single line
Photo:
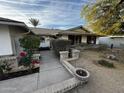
[(82, 74)]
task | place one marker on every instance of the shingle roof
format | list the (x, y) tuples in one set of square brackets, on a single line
[(80, 30), (44, 31), (79, 27), (73, 31)]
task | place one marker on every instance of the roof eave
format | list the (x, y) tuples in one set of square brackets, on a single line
[(12, 23), (21, 24)]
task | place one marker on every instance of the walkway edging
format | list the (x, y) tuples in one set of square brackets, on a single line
[(67, 84), (61, 87), (74, 71)]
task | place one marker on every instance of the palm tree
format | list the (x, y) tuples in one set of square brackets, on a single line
[(34, 22)]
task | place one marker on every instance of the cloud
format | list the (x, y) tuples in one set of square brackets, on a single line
[(51, 13), (9, 12)]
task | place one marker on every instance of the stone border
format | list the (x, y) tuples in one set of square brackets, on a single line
[(75, 55), (60, 87), (14, 62), (70, 83), (10, 60)]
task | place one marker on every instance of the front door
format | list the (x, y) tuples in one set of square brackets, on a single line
[(72, 39), (91, 39)]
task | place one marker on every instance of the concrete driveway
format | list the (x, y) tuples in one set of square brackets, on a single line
[(51, 72)]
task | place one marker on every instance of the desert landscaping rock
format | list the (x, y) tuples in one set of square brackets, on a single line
[(103, 80)]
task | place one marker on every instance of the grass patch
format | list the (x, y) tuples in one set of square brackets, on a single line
[(106, 63)]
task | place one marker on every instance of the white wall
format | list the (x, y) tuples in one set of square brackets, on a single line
[(64, 37), (5, 41), (118, 42), (97, 40), (84, 39)]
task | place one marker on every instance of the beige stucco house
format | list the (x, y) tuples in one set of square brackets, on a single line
[(76, 35), (10, 32), (79, 35)]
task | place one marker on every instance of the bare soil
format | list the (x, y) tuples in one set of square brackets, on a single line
[(103, 79)]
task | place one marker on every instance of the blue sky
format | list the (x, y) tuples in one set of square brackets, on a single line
[(57, 14)]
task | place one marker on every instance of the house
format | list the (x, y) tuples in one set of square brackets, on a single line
[(46, 36), (116, 41), (79, 35), (76, 35), (10, 32)]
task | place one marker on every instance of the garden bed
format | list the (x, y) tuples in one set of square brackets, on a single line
[(6, 76), (10, 67)]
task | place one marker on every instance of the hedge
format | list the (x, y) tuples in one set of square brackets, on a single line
[(60, 45)]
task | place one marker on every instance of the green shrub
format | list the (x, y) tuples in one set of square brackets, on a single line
[(60, 45), (29, 43), (106, 63), (102, 47)]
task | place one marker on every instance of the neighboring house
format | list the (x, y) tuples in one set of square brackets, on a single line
[(10, 32), (76, 35), (46, 35), (116, 41), (79, 35)]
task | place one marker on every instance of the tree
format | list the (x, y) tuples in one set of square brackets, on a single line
[(34, 22), (105, 16)]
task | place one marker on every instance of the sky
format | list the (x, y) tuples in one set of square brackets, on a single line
[(55, 14)]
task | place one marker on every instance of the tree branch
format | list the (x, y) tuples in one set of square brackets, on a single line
[(121, 1)]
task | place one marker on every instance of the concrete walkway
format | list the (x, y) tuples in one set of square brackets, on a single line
[(51, 72)]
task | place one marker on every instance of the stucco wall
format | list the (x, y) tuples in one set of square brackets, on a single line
[(16, 33), (5, 41), (117, 42)]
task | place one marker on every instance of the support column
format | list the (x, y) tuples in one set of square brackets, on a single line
[(63, 55), (75, 53)]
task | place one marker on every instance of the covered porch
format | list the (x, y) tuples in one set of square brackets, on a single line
[(78, 39)]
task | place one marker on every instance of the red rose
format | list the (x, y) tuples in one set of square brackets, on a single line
[(23, 54)]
